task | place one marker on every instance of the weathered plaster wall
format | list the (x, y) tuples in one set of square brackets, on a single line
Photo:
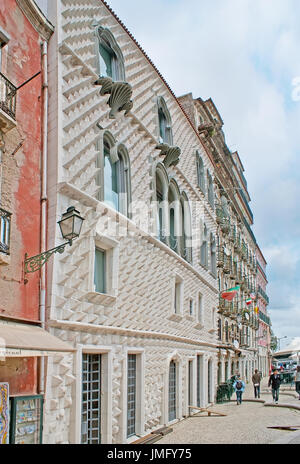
[(21, 164)]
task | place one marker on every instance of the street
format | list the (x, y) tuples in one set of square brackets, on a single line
[(244, 424)]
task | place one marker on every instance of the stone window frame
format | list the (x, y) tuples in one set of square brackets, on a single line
[(213, 255), (111, 249), (177, 359), (140, 392), (200, 172), (106, 417), (116, 150), (181, 200), (204, 248), (106, 38), (210, 190), (186, 228), (162, 107)]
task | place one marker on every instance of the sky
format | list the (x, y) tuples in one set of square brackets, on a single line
[(245, 55)]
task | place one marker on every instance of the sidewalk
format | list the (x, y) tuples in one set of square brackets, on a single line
[(244, 424)]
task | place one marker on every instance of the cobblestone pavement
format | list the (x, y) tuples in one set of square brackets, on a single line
[(244, 424)]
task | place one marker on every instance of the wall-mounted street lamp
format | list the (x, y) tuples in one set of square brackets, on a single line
[(70, 227)]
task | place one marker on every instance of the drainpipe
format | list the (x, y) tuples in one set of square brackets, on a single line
[(44, 201)]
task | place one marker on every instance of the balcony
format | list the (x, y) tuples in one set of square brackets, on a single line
[(245, 341), (5, 222), (8, 100), (263, 294), (220, 257), (225, 307), (263, 317)]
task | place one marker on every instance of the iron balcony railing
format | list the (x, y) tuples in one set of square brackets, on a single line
[(263, 294), (264, 318), (8, 96), (5, 221)]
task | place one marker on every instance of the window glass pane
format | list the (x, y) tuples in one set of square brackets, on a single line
[(159, 199), (111, 190), (177, 297), (100, 271), (91, 399), (162, 125), (106, 58), (172, 391), (173, 241), (131, 395)]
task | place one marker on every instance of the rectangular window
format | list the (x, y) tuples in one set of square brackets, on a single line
[(131, 395), (172, 391), (190, 391), (177, 299), (100, 271), (200, 308), (198, 381), (91, 399), (191, 307)]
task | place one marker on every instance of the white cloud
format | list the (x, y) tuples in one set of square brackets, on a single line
[(244, 54)]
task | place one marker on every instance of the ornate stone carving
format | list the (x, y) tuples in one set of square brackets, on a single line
[(171, 154), (120, 95)]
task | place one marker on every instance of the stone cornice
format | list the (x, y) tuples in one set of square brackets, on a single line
[(81, 326), (36, 18)]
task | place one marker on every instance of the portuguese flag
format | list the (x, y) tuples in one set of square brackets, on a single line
[(248, 301), (230, 293)]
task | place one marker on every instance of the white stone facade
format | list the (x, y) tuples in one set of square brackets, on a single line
[(136, 313)]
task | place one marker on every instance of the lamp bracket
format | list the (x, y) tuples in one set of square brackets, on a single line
[(35, 263)]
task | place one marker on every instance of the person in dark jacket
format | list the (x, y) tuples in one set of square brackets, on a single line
[(274, 382), (256, 383)]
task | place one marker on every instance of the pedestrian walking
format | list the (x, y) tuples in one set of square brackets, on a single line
[(274, 382), (239, 387), (256, 379), (297, 381)]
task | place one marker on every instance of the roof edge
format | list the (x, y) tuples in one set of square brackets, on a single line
[(36, 18)]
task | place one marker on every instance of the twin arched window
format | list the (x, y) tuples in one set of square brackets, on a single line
[(114, 177), (173, 215)]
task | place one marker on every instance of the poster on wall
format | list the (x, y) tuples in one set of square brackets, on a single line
[(4, 413)]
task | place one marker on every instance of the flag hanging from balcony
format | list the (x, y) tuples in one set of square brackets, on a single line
[(256, 309), (253, 296), (248, 301), (230, 293)]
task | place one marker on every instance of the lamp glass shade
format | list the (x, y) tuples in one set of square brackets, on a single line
[(70, 224)]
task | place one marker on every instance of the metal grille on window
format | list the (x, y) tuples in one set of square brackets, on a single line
[(131, 395), (172, 391), (91, 399)]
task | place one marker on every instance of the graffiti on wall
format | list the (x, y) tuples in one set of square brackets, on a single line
[(4, 413)]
